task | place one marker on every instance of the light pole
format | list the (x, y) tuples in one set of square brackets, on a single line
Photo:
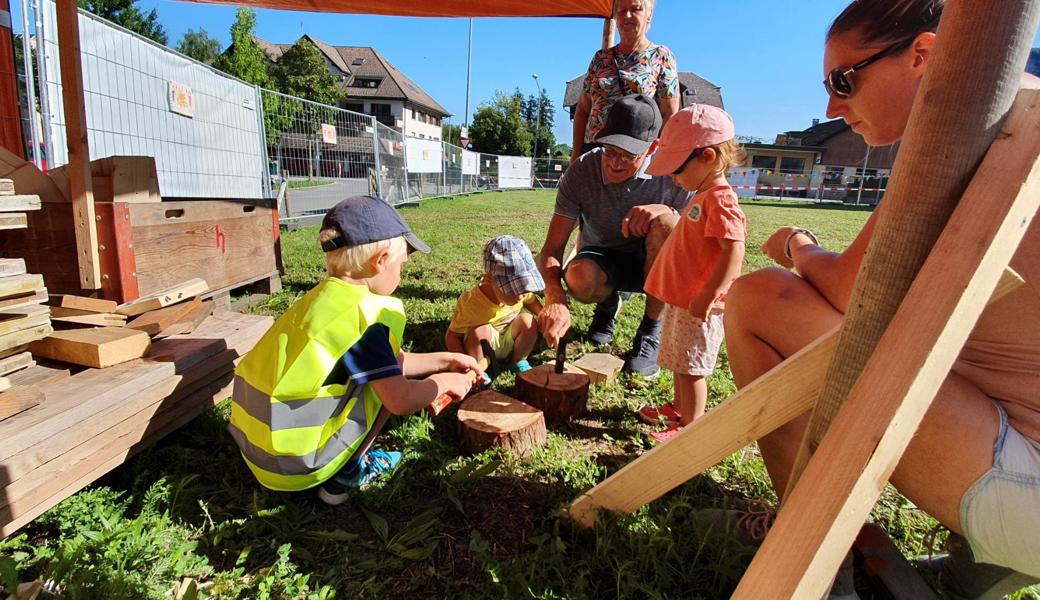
[(537, 126)]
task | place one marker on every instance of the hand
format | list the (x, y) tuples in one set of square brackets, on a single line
[(774, 247), (637, 222), (554, 321), (462, 363), (700, 306), (455, 385)]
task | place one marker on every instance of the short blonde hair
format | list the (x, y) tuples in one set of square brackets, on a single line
[(729, 154), (353, 260)]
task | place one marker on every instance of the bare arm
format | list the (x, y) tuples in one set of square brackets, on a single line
[(555, 318), (581, 120), (668, 106), (453, 341), (534, 305), (421, 364), (403, 396), (832, 274), (726, 269)]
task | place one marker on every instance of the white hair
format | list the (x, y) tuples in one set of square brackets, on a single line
[(648, 5)]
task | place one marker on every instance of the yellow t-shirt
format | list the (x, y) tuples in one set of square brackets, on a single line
[(475, 309)]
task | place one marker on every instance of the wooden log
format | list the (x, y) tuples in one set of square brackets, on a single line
[(190, 321), (152, 322), (16, 362), (98, 347), (17, 400), (493, 420), (82, 303), (600, 367), (560, 396), (173, 295), (11, 266), (20, 203)]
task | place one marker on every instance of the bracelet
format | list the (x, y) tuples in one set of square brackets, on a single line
[(794, 232)]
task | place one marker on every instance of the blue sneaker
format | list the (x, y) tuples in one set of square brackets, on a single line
[(358, 475), (520, 366)]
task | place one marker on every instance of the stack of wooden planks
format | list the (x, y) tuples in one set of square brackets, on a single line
[(13, 207), (90, 422)]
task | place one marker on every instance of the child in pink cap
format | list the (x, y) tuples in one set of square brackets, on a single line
[(699, 260)]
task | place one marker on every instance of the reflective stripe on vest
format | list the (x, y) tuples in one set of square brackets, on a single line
[(295, 432)]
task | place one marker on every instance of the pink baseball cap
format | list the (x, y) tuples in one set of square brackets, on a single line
[(696, 126)]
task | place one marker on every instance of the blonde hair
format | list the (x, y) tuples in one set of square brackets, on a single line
[(729, 154), (353, 260)]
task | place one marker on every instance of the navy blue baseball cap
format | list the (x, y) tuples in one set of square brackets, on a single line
[(366, 219)]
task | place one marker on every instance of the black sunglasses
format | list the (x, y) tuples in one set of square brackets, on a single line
[(696, 152), (838, 82)]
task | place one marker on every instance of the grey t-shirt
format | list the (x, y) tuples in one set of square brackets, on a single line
[(600, 206)]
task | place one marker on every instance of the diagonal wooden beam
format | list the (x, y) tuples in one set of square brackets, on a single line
[(783, 393), (844, 478)]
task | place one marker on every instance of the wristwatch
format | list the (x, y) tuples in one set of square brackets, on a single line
[(795, 231)]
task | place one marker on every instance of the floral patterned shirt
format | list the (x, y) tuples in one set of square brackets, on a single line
[(651, 72)]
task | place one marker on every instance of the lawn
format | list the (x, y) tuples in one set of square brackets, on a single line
[(447, 524)]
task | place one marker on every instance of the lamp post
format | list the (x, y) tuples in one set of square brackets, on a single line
[(537, 126)]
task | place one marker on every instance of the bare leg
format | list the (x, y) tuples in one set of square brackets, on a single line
[(691, 396), (473, 340), (587, 282), (525, 334)]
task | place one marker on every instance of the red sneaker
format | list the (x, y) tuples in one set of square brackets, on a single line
[(654, 414), (663, 436)]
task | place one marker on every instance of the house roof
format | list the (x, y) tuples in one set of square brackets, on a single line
[(819, 133), (441, 8), (783, 147), (704, 91), (365, 62)]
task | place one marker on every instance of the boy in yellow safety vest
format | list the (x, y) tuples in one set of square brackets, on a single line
[(313, 393)]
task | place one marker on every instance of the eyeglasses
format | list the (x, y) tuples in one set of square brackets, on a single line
[(617, 155), (838, 82), (696, 152)]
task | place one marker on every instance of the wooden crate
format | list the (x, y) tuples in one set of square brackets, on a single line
[(145, 247)]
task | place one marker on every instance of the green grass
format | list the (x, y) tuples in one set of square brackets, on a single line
[(447, 524), (307, 183)]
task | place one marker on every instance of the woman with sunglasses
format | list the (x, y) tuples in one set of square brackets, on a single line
[(975, 462)]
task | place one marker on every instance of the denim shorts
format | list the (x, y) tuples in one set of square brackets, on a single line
[(1000, 513)]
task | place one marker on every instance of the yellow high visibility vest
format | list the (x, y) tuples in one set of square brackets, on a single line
[(293, 430)]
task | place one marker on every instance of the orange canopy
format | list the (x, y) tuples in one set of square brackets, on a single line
[(439, 8)]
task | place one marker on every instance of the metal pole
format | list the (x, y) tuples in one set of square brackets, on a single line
[(863, 175), (378, 163), (30, 86), (41, 70), (537, 126), (469, 72)]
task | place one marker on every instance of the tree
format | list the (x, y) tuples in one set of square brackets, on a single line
[(544, 124), (125, 14), (243, 58), (198, 45), (301, 71), (562, 150), (451, 133), (499, 127)]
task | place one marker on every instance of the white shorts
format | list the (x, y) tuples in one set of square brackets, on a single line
[(1000, 513), (690, 346)]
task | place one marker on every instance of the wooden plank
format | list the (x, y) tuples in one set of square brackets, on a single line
[(39, 374), (190, 321), (13, 220), (82, 303), (116, 250), (11, 266), (600, 366), (98, 347), (80, 184), (28, 179), (11, 341), (154, 321), (18, 400), (19, 203), (776, 397), (173, 295), (38, 296), (89, 320), (16, 362), (18, 285), (6, 187), (18, 319), (5, 384), (864, 443)]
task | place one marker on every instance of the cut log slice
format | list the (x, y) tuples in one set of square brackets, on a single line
[(561, 396), (493, 420)]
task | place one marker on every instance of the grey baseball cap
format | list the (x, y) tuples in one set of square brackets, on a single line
[(633, 123), (366, 219)]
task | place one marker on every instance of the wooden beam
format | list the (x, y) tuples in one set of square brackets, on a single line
[(844, 478), (609, 27), (80, 186)]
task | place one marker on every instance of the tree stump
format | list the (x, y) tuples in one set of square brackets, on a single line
[(489, 420), (560, 396)]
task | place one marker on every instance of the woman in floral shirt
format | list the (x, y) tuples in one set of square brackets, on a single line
[(634, 66)]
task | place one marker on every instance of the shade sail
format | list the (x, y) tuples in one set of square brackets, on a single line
[(438, 8)]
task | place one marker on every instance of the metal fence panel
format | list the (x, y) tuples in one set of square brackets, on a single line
[(210, 148)]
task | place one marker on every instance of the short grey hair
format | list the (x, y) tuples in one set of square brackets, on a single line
[(647, 4)]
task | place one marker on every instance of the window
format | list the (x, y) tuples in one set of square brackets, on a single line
[(360, 108), (379, 109), (789, 164), (763, 162), (365, 82)]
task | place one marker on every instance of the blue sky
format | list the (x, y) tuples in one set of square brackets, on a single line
[(765, 55)]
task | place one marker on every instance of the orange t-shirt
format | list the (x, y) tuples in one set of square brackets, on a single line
[(689, 254)]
